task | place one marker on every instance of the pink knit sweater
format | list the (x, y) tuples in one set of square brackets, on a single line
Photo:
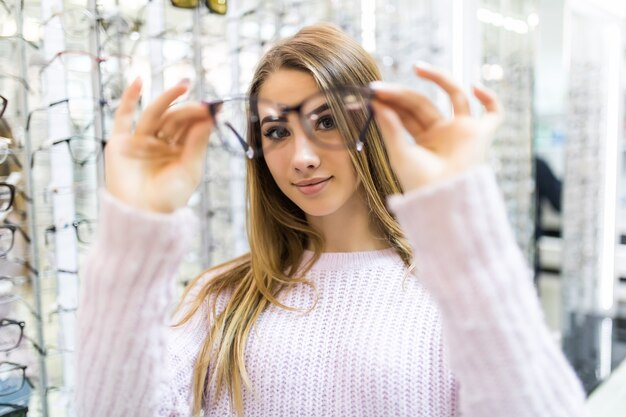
[(464, 336)]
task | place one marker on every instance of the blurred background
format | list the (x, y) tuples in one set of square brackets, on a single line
[(557, 65)]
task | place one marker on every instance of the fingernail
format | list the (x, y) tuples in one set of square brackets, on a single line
[(138, 81), (422, 65), (184, 81)]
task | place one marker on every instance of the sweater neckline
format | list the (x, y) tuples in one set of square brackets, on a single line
[(349, 260)]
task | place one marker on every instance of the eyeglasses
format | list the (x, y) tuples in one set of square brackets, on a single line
[(13, 410), (11, 334), (215, 6), (12, 298), (6, 152), (82, 61), (79, 110), (13, 377), (84, 229), (3, 105), (82, 149), (336, 118), (7, 237), (7, 195)]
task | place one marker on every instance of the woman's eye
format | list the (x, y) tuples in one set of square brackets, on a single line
[(325, 122), (276, 132)]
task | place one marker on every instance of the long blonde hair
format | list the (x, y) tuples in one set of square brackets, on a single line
[(278, 232)]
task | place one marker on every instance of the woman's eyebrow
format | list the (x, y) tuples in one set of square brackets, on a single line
[(318, 109), (270, 118)]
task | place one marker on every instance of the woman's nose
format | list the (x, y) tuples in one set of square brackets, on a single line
[(305, 156)]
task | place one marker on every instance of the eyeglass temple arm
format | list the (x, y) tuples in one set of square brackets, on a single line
[(30, 115), (19, 229), (366, 126), (39, 349)]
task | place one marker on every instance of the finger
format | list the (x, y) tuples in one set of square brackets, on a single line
[(150, 118), (391, 128), (194, 150), (175, 122), (458, 98), (394, 136), (488, 99), (125, 113), (409, 122), (407, 101)]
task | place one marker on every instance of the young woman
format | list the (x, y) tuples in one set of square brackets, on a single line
[(326, 316)]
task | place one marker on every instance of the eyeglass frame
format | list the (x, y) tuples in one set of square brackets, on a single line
[(4, 102), (7, 322), (99, 141), (253, 119), (75, 224), (24, 377), (101, 103), (11, 189), (13, 227)]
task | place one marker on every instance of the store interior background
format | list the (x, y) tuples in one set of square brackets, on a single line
[(559, 67)]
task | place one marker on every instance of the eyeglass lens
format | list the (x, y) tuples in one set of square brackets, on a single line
[(334, 119), (10, 335), (12, 377), (6, 240)]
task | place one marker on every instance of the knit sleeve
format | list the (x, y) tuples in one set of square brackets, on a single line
[(497, 343), (126, 365)]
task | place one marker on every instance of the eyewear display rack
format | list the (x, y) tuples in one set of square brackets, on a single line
[(594, 45), (507, 59)]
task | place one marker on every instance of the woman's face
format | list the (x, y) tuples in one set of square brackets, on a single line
[(318, 180)]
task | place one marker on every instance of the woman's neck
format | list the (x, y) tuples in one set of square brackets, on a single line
[(349, 229)]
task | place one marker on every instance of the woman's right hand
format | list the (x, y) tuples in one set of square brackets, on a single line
[(158, 165)]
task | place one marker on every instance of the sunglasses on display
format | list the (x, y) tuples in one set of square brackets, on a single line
[(215, 6), (336, 118)]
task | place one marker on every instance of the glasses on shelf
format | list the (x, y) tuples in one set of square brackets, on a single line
[(13, 377), (11, 334), (215, 6), (336, 118), (6, 152), (79, 110), (82, 149), (7, 237), (12, 281), (84, 229), (7, 195), (82, 61), (74, 21)]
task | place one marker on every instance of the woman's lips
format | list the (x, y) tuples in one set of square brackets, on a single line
[(313, 188)]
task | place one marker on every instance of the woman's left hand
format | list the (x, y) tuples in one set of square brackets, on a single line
[(442, 147)]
